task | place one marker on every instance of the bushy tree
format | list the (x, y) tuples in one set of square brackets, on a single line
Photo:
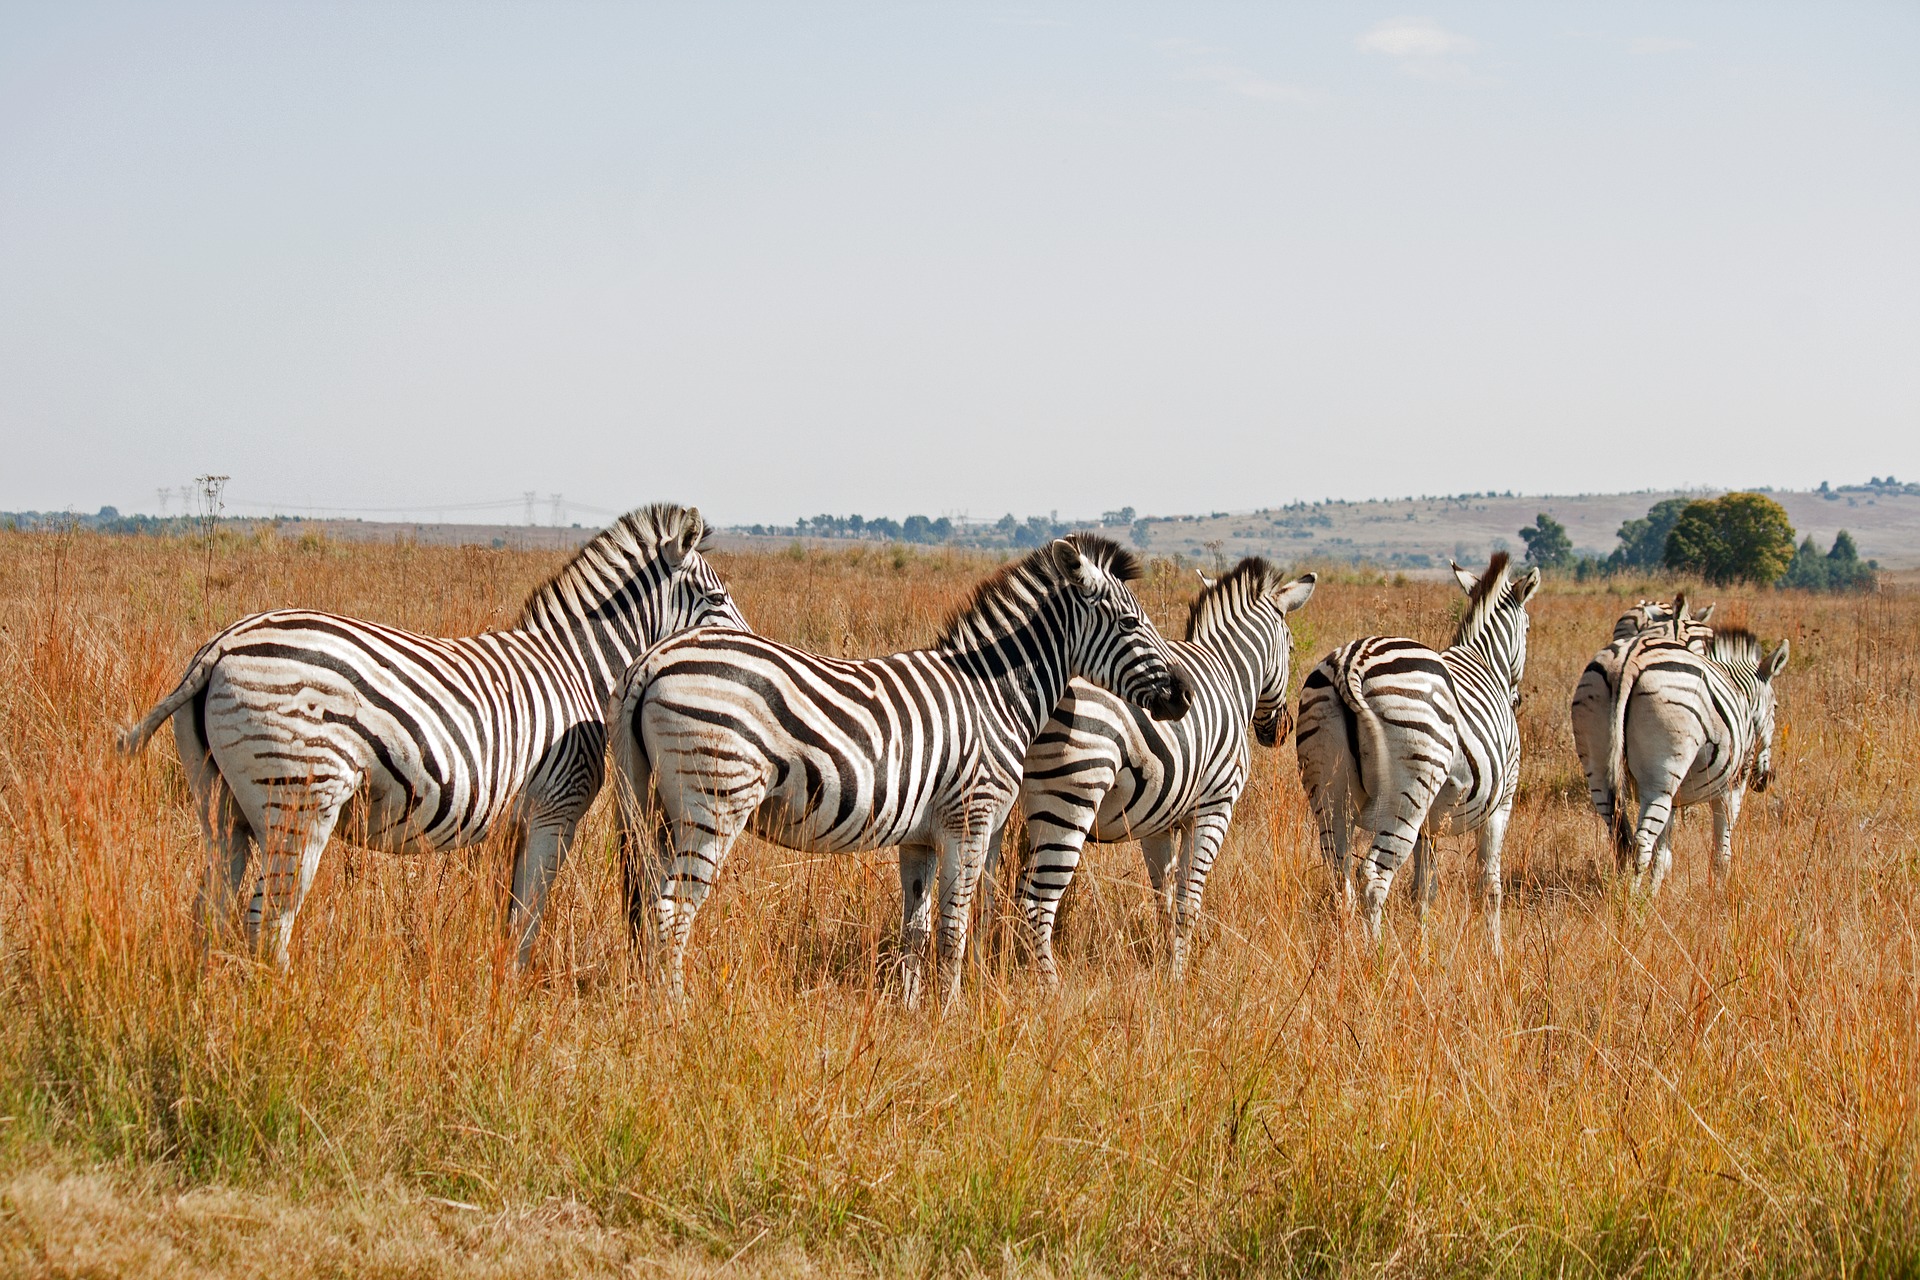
[(1547, 542), (1742, 537), (1643, 542), (1840, 569)]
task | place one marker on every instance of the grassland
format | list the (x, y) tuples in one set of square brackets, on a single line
[(1703, 1085)]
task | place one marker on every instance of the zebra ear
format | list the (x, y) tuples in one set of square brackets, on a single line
[(1774, 661), (1464, 577), (1206, 583), (1523, 590), (678, 547), (1703, 613), (1292, 595), (1075, 567)]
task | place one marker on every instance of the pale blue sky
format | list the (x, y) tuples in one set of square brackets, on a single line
[(789, 259)]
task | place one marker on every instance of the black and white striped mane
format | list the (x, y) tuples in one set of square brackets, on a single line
[(1229, 596), (1483, 601), (1001, 603), (1735, 647), (603, 567)]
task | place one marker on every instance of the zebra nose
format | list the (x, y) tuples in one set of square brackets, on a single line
[(1174, 700)]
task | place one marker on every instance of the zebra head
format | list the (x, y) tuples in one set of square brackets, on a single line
[(1250, 604), (1495, 622), (1690, 629), (1112, 642), (694, 596), (1270, 713), (1760, 771)]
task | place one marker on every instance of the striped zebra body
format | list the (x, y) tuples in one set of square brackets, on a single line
[(728, 733), (1691, 728), (295, 723), (1420, 743), (1592, 710), (1104, 770)]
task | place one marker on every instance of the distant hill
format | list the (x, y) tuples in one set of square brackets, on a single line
[(1419, 533), (1403, 533)]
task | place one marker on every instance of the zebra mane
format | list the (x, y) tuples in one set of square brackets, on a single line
[(1215, 603), (1643, 614), (1483, 600), (1012, 589), (1735, 647), (604, 565)]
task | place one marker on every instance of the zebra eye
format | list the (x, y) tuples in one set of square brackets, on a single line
[(1129, 622)]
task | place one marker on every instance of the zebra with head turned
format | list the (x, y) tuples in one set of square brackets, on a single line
[(1690, 728), (1592, 710), (1418, 743), (1104, 770), (289, 722), (726, 733)]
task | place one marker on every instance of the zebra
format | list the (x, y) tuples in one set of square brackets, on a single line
[(1104, 770), (290, 719), (1418, 743), (1690, 728), (714, 734), (1593, 696)]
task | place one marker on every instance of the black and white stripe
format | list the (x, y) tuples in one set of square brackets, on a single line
[(292, 722), (1690, 728), (1592, 710), (1420, 743), (727, 733), (1104, 770)]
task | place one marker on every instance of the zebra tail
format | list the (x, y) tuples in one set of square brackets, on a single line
[(632, 794), (1370, 752), (133, 738), (1617, 747)]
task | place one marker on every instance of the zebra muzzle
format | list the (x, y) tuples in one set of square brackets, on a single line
[(1171, 700)]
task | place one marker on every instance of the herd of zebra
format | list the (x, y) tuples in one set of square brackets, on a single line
[(1048, 688)]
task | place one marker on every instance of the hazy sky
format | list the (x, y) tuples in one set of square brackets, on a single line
[(940, 258)]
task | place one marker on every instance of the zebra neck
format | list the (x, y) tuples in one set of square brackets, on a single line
[(593, 649), (1491, 649), (1245, 647), (1020, 673)]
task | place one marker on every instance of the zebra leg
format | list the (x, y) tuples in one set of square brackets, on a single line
[(988, 891), (960, 864), (1662, 858), (292, 856), (1653, 833), (1426, 878), (229, 836), (702, 835), (1161, 853), (1333, 813), (1726, 812), (1492, 836), (918, 864), (542, 848), (1043, 881), (1389, 849), (1204, 837)]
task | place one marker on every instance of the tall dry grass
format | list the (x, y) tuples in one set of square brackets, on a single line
[(1698, 1085)]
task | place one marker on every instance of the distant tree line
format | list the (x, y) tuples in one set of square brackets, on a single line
[(1738, 537), (1008, 531)]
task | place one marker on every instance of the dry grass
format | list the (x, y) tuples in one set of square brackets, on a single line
[(1699, 1086)]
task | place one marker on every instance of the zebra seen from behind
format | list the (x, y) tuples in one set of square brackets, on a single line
[(1418, 743), (1592, 710), (294, 722), (727, 733), (1690, 728), (1102, 769)]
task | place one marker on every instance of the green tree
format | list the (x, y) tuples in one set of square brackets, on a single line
[(1547, 542), (1808, 572), (1643, 542), (1742, 537)]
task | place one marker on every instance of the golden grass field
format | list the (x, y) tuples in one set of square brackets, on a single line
[(1700, 1085)]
